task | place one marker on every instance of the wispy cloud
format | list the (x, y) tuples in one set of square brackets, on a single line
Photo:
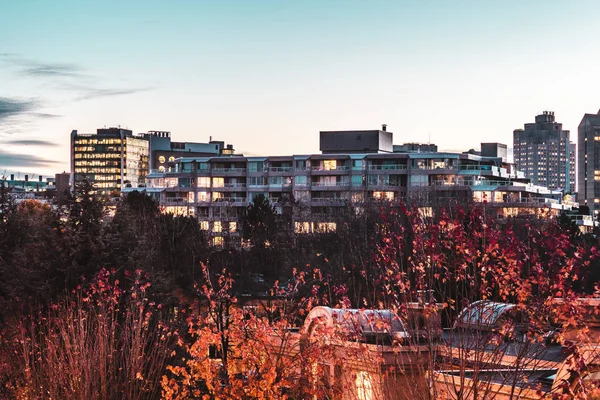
[(92, 93), (30, 142), (8, 160), (68, 77), (10, 107), (30, 67)]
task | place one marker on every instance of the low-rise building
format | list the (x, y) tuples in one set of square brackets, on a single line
[(217, 190)]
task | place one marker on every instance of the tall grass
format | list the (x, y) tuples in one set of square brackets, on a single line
[(101, 343)]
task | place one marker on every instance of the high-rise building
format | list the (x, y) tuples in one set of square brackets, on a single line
[(588, 162), (543, 151), (112, 158)]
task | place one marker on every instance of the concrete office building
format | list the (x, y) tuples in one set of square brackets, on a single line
[(544, 152), (112, 158), (588, 162)]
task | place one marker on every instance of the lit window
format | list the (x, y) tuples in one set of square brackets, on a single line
[(203, 225), (325, 227), (301, 227), (329, 165), (204, 182), (218, 182), (218, 241), (384, 195), (364, 386), (233, 227), (217, 227)]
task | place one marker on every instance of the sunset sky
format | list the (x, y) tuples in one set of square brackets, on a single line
[(266, 76)]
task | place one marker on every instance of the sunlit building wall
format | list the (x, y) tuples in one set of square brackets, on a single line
[(112, 158)]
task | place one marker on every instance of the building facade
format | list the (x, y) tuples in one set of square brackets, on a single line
[(113, 158), (544, 152), (588, 164), (322, 187), (163, 151)]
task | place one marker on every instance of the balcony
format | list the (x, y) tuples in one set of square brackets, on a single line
[(387, 167), (231, 199), (328, 201), (281, 169), (174, 201), (331, 169), (331, 184), (228, 170)]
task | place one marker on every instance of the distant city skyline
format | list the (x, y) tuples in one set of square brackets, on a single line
[(269, 75)]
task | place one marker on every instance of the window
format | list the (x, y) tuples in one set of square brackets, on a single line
[(301, 227), (383, 195), (217, 227), (364, 386), (204, 182), (329, 165), (217, 241), (218, 182), (256, 166), (358, 180), (324, 227), (300, 180), (233, 227), (203, 225), (203, 196), (256, 181)]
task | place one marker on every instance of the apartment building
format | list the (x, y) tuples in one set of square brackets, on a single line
[(217, 190), (588, 162), (544, 152), (164, 151)]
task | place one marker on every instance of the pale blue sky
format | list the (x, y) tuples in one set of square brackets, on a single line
[(266, 76)]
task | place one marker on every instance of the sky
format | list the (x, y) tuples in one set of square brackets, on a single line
[(267, 76)]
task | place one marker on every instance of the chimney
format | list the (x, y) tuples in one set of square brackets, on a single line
[(384, 127)]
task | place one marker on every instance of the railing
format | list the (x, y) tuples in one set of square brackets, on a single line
[(385, 184), (338, 168), (234, 185), (230, 200), (387, 167), (281, 169), (329, 199), (178, 200), (330, 184), (221, 170)]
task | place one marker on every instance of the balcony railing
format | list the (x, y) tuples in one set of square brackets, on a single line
[(281, 169), (234, 185), (329, 199), (338, 168), (330, 184), (387, 167), (230, 200), (222, 170)]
